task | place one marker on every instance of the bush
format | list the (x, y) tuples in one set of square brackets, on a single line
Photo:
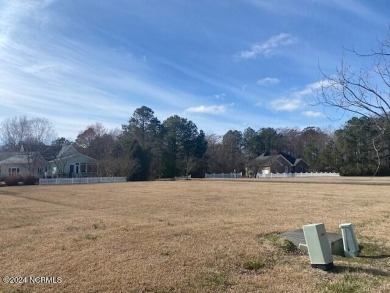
[(254, 265), (13, 180), (384, 171), (357, 170), (30, 180)]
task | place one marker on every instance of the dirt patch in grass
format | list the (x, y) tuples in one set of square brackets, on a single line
[(190, 236)]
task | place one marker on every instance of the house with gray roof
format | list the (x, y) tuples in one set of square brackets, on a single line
[(22, 163), (281, 162), (72, 164)]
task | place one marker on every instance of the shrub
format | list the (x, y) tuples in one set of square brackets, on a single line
[(383, 171), (13, 180), (30, 180), (254, 265), (357, 170), (288, 246)]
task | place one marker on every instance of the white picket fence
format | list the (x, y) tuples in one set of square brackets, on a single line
[(296, 175), (224, 175), (271, 175), (183, 177), (86, 180)]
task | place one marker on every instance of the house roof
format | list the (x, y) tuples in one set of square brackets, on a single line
[(300, 160), (288, 157), (6, 155), (266, 159), (69, 151), (16, 159), (19, 158)]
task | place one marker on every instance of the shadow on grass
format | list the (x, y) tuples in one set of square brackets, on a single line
[(383, 256), (7, 192), (373, 251), (348, 269)]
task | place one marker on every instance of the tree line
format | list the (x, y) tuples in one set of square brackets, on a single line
[(147, 149), (143, 149)]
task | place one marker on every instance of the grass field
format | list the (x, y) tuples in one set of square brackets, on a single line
[(191, 236)]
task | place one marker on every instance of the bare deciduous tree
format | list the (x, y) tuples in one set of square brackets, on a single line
[(85, 138), (364, 92), (33, 134)]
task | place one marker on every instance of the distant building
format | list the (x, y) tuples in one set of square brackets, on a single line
[(22, 163), (268, 163), (70, 163)]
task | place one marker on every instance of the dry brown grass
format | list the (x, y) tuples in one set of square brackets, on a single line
[(191, 236)]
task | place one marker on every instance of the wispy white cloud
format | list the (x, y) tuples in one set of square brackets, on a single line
[(220, 96), (358, 8), (70, 82), (213, 109), (287, 104), (60, 62), (268, 48), (313, 114), (289, 8), (311, 89), (267, 81), (296, 99), (278, 7)]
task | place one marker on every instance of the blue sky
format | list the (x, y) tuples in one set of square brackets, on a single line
[(224, 64)]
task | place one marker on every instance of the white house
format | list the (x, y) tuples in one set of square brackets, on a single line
[(22, 163), (70, 163)]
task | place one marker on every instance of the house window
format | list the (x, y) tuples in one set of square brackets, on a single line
[(13, 170), (83, 167)]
